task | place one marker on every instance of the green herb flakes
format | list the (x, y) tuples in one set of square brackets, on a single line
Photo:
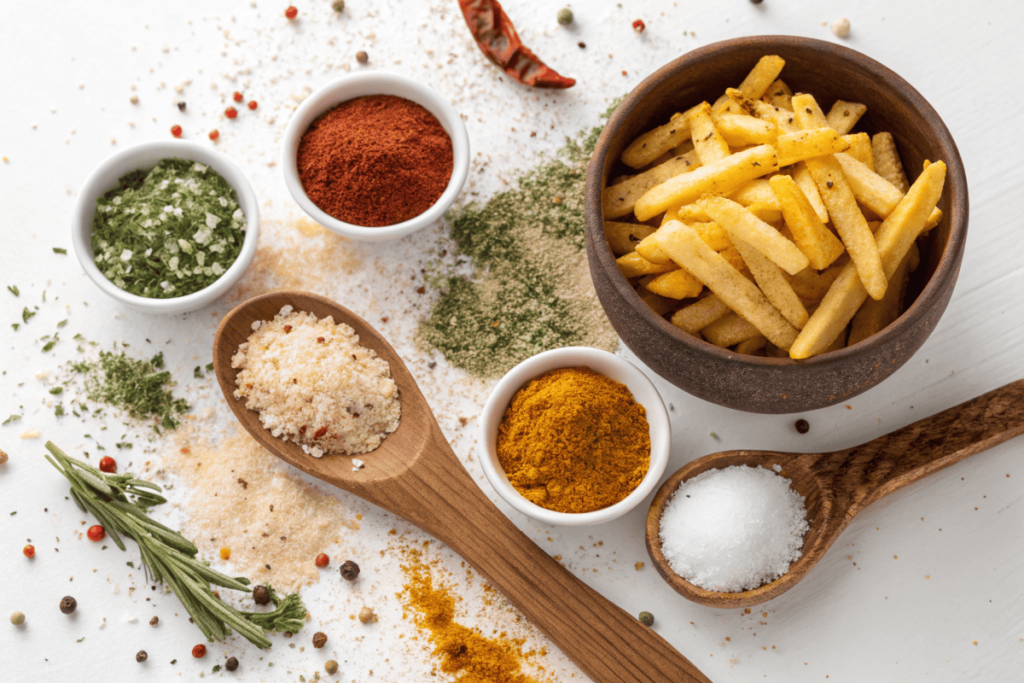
[(50, 344), (26, 314), (169, 231), (135, 386), (61, 324), (15, 326), (12, 418), (58, 250), (198, 373), (13, 289), (59, 410), (209, 367), (56, 391)]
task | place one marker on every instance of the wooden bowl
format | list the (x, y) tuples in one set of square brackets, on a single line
[(781, 385)]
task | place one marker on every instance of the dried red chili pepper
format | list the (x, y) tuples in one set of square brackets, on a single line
[(497, 38)]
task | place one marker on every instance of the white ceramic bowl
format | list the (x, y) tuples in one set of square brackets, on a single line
[(144, 156), (375, 83), (607, 364)]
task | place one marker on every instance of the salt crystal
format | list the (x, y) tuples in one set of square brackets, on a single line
[(131, 618), (357, 464), (733, 529)]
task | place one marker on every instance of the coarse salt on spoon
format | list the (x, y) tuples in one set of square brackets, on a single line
[(836, 486), (416, 475)]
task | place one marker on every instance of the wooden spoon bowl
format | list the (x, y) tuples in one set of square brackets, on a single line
[(837, 486), (415, 474)]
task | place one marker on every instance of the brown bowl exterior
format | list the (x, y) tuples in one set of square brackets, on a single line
[(781, 385)]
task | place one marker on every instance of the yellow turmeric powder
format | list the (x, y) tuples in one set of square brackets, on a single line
[(573, 440)]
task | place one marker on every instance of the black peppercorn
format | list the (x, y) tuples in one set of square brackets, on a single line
[(349, 570), (319, 639), (362, 57), (802, 426), (260, 595), (231, 664), (181, 106), (154, 621), (757, 2), (68, 604), (646, 618), (141, 656)]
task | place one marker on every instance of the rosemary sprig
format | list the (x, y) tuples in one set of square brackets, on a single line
[(169, 556)]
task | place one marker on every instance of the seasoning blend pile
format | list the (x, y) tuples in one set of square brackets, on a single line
[(573, 440), (314, 384), (733, 529), (169, 231), (375, 161)]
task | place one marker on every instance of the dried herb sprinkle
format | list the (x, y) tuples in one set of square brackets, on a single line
[(139, 387)]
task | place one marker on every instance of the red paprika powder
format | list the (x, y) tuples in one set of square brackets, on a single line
[(375, 161)]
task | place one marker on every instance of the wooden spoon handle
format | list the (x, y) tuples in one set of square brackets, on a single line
[(606, 643), (890, 462)]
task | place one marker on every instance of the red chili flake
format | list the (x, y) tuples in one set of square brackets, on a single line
[(639, 26), (214, 134), (237, 97), (319, 340), (322, 560), (96, 533), (176, 130), (287, 329), (302, 429), (252, 104), (185, 450), (199, 651), (108, 465), (231, 112), (29, 551), (291, 12), (320, 432)]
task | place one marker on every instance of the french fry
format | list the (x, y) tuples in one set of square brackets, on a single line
[(719, 177), (807, 144), (623, 237), (843, 115), (915, 259), (654, 143), (779, 95), (860, 148), (812, 286), (872, 190), (732, 256), (650, 249), (752, 345), (690, 213), (808, 114), (895, 237), (887, 160), (756, 192), (618, 200), (760, 78), (694, 213), (682, 149), (686, 248), (658, 304), (713, 235), (840, 341), (769, 213), (815, 240), (933, 220), (677, 284), (729, 330), (634, 265), (875, 315), (803, 178), (773, 283), (700, 314), (782, 118), (740, 130), (740, 223), (707, 141)]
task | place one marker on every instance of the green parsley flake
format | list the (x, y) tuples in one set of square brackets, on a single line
[(135, 386), (13, 289), (12, 418), (58, 250), (26, 314), (169, 231)]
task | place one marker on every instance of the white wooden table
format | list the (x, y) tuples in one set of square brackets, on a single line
[(924, 586)]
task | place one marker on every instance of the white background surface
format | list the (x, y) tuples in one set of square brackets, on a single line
[(925, 585)]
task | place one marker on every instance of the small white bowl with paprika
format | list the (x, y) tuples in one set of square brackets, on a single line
[(628, 390), (374, 156)]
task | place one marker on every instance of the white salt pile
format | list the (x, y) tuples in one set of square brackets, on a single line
[(733, 529)]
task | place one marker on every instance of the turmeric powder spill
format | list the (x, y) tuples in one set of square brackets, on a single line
[(464, 652), (573, 440)]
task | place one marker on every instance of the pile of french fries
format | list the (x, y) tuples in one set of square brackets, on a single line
[(762, 224)]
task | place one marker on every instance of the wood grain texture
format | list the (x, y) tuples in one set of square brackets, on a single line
[(416, 475), (836, 486)]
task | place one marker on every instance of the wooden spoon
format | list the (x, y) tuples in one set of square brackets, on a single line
[(838, 485), (415, 475)]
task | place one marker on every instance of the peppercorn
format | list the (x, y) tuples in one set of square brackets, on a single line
[(338, 5), (96, 533), (260, 594), (68, 604), (349, 570), (582, 45), (322, 560), (565, 16), (291, 12), (231, 664), (253, 105), (199, 651), (141, 656), (108, 465), (154, 621), (237, 96), (231, 112), (29, 551), (181, 106), (319, 639), (17, 618), (366, 615), (331, 666), (647, 619), (362, 57), (214, 134), (802, 426), (757, 2), (639, 26), (176, 130)]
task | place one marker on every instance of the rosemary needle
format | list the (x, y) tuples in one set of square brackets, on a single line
[(169, 556)]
